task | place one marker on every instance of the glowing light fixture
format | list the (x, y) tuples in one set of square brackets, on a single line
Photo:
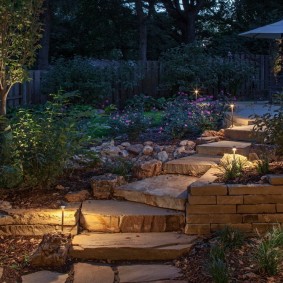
[(232, 116), (196, 93), (62, 223), (234, 152)]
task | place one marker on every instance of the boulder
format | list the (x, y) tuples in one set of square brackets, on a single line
[(111, 151), (191, 145), (52, 251), (77, 196), (103, 185), (135, 149), (150, 143), (183, 143), (179, 151), (124, 153), (147, 169), (147, 150), (162, 156), (125, 144)]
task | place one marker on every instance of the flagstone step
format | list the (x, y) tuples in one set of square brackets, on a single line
[(219, 148), (193, 165), (45, 276), (130, 246), (242, 133), (167, 191), (125, 216)]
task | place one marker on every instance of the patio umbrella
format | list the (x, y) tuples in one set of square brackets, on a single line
[(272, 31)]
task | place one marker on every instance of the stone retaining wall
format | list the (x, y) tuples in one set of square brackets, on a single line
[(254, 207)]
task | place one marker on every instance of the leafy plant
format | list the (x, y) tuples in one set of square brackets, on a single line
[(232, 168), (146, 103), (217, 266), (269, 254), (230, 237), (262, 166), (270, 127), (131, 122)]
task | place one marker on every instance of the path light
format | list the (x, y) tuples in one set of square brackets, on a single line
[(234, 152), (232, 111), (196, 93), (62, 223)]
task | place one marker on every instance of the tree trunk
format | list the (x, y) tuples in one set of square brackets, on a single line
[(3, 109), (142, 31), (190, 29), (43, 53)]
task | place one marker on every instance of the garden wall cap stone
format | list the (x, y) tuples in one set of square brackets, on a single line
[(255, 189), (276, 179)]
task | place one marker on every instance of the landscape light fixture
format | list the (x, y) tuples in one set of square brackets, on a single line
[(232, 112), (196, 93), (62, 223), (234, 152)]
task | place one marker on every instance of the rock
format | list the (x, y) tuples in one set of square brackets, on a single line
[(77, 196), (191, 145), (147, 150), (90, 273), (121, 147), (253, 156), (169, 148), (162, 156), (44, 276), (147, 169), (150, 143), (125, 144), (52, 251), (1, 272), (135, 149), (204, 140), (5, 205), (111, 151), (211, 133), (183, 143), (60, 188), (157, 148), (103, 185), (124, 153), (108, 144), (179, 151)]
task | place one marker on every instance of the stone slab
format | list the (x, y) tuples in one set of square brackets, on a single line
[(40, 216), (191, 165), (219, 148), (258, 208), (147, 273), (45, 277), (125, 216), (202, 200), (213, 218), (90, 273), (36, 230), (131, 246), (241, 133), (275, 179), (263, 199), (197, 229), (167, 191), (244, 227), (206, 209)]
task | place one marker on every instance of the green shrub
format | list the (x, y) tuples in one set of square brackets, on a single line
[(190, 66), (146, 103), (230, 237), (217, 266), (45, 138), (131, 122), (269, 254), (184, 117), (92, 83), (231, 168), (270, 128), (262, 166)]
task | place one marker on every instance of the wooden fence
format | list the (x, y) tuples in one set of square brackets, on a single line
[(256, 88)]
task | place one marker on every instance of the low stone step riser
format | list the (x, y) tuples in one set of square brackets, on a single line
[(133, 223), (221, 151)]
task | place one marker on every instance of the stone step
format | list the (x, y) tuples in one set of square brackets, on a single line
[(193, 165), (138, 273), (238, 120), (219, 148), (242, 133), (167, 191), (125, 216), (130, 246), (45, 276)]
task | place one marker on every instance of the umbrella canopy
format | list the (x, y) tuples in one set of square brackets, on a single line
[(272, 31)]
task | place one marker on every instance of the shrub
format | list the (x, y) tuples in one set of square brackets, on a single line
[(146, 103), (230, 237), (93, 82), (232, 167), (131, 122), (262, 166), (189, 66), (270, 128), (184, 117), (45, 138), (269, 254)]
